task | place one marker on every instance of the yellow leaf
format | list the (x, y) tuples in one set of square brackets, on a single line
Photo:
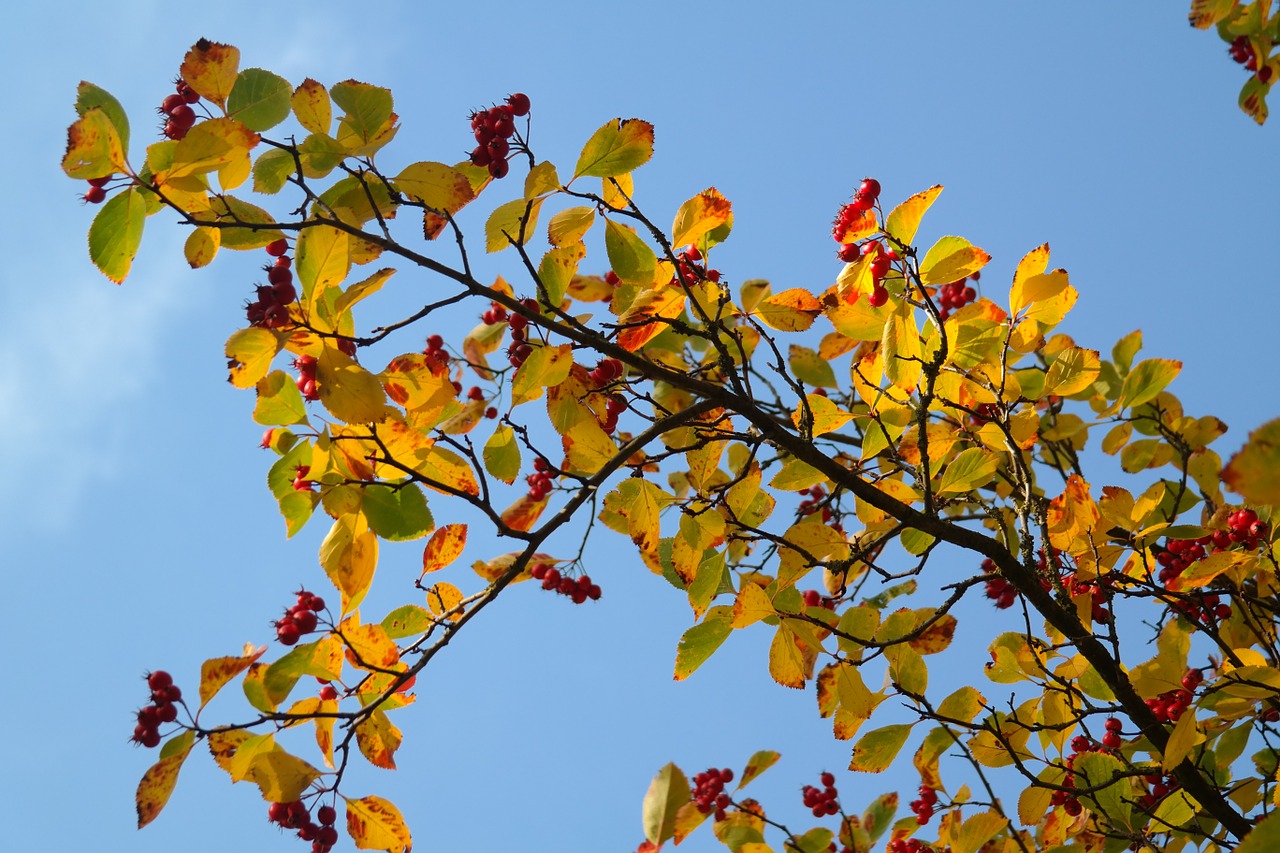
[(876, 750), (617, 148), (350, 393), (416, 382), (1254, 472), (311, 105), (378, 739), (786, 660), (216, 672), (542, 178), (546, 366), (751, 605), (1184, 737), (1072, 514), (158, 782), (901, 347), (444, 546), (827, 416), (973, 468), (375, 824), (442, 599), (249, 353), (668, 791), (94, 149), (791, 310), (570, 225), (281, 777), (950, 259), (642, 321), (436, 185), (202, 244), (323, 259), (905, 218), (524, 513), (1073, 370), (1203, 572), (1205, 13), (211, 69), (705, 212), (212, 145), (1146, 380), (511, 224), (977, 831)]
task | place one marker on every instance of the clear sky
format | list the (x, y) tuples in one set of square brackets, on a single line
[(136, 530)]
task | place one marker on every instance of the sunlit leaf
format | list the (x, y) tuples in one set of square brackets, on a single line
[(158, 782), (1254, 471), (211, 69), (444, 546), (905, 218), (310, 102), (375, 824), (876, 750), (668, 791), (116, 233), (618, 147), (216, 672), (791, 310), (701, 641)]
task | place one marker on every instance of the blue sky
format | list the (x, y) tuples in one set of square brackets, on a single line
[(137, 533)]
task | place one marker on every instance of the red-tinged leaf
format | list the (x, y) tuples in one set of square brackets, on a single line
[(498, 566), (375, 824), (705, 212), (416, 382), (791, 310), (211, 69), (619, 147), (701, 641), (378, 739), (876, 750), (643, 321), (668, 791), (937, 637), (368, 646), (216, 672), (444, 546), (1254, 472), (757, 764), (863, 225), (158, 782), (311, 106), (524, 513)]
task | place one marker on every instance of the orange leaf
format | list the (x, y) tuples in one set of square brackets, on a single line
[(936, 637), (524, 513), (791, 310), (642, 321), (369, 646), (443, 547), (375, 824), (211, 69), (158, 782), (216, 672), (378, 739)]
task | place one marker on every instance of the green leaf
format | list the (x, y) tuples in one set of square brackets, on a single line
[(502, 455), (116, 233), (1147, 379), (279, 401), (701, 641), (811, 368), (875, 751), (879, 815), (271, 171), (94, 149), (397, 514), (367, 107), (407, 621), (1113, 801), (90, 97), (617, 148), (973, 468), (259, 99), (511, 224), (630, 257), (668, 791), (1264, 838)]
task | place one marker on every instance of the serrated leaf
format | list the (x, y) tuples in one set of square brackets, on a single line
[(791, 310), (668, 791), (756, 765), (903, 222), (407, 621), (973, 468), (511, 224), (1254, 471), (249, 353), (310, 102), (827, 416), (875, 751), (91, 97), (211, 68), (378, 739), (158, 782), (216, 672), (397, 513), (810, 368), (116, 232), (1184, 737), (1073, 370), (705, 212), (630, 257), (350, 393), (279, 401), (617, 148), (701, 641), (951, 259), (280, 776), (1147, 379), (570, 225), (977, 830), (436, 185), (367, 108), (259, 99), (376, 824)]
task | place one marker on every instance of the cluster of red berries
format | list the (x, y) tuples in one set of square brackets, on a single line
[(579, 590), (320, 832), (708, 791), (97, 192), (822, 801), (614, 406), (956, 295), (520, 348), (923, 806), (1160, 788), (1242, 52), (811, 504), (306, 381), (606, 371), (909, 845), (301, 479), (1100, 613), (179, 117), (434, 351), (540, 480), (1170, 705), (689, 268), (476, 393), (493, 127), (271, 309), (863, 200), (1243, 529), (494, 314), (299, 619), (813, 598), (163, 709)]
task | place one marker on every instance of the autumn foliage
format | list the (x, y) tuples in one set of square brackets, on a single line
[(814, 462)]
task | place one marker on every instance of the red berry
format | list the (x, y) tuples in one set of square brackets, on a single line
[(499, 168), (326, 815), (171, 103), (327, 836), (150, 739), (869, 191), (879, 296), (287, 632), (491, 413), (95, 195), (188, 94), (167, 712), (328, 693), (183, 115), (519, 103), (435, 342), (827, 780), (848, 252), (159, 680), (276, 248), (305, 621), (315, 603), (475, 393), (278, 812)]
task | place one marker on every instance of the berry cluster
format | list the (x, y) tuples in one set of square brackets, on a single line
[(1100, 613), (493, 127), (163, 709), (520, 348), (1242, 52), (708, 792), (540, 480), (822, 801), (813, 598), (320, 832), (271, 309), (863, 200), (689, 268), (494, 314), (1243, 529), (97, 191), (956, 295), (606, 371), (476, 394), (179, 117), (301, 481), (923, 806), (1171, 704), (909, 845), (812, 503), (435, 353), (579, 590), (1160, 787), (306, 381), (299, 619), (614, 406)]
